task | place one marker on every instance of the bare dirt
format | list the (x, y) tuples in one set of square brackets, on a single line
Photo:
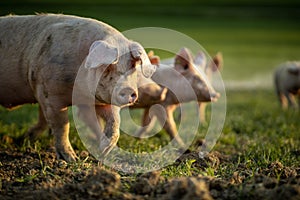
[(32, 174)]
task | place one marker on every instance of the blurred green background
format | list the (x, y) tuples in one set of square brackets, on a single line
[(254, 36)]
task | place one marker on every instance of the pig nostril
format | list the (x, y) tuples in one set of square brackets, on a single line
[(133, 96), (214, 97), (128, 95), (217, 95)]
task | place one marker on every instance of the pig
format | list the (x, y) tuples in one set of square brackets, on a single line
[(40, 59), (200, 61), (175, 78), (287, 84)]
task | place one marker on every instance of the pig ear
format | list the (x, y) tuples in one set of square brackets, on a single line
[(136, 51), (101, 54), (183, 59), (154, 59), (138, 54), (150, 54), (217, 62), (293, 70), (200, 59)]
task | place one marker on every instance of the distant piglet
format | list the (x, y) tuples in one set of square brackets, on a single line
[(287, 84)]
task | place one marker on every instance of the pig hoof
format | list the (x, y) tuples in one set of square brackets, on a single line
[(106, 150), (107, 144), (67, 155), (33, 133)]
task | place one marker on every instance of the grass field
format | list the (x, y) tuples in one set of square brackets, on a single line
[(256, 130), (257, 134), (256, 156)]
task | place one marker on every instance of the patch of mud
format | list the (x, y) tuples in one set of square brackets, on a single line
[(32, 174), (212, 159)]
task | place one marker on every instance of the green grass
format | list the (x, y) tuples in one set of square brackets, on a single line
[(256, 133)]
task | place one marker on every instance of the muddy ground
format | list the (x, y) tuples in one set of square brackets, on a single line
[(32, 174)]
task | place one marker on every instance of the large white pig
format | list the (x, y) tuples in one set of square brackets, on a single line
[(40, 56), (287, 84)]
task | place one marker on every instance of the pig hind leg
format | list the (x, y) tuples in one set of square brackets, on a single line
[(291, 100), (38, 128), (298, 98), (148, 123), (287, 100), (283, 101), (59, 123), (57, 119)]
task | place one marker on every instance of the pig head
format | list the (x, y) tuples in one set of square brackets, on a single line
[(185, 80), (114, 76)]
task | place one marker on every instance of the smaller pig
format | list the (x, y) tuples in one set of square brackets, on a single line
[(287, 84), (179, 78), (200, 60)]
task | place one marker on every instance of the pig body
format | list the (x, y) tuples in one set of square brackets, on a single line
[(287, 84), (184, 85), (40, 57)]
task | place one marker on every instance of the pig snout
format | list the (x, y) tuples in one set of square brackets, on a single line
[(207, 94), (127, 96), (214, 96), (211, 95)]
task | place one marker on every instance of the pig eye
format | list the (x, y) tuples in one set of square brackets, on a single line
[(133, 64)]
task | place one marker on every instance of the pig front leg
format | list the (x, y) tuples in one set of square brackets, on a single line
[(202, 108), (38, 128), (165, 116), (107, 136), (290, 101), (111, 116), (170, 125)]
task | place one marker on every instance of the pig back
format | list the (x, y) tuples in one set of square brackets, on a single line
[(43, 50), (14, 85)]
